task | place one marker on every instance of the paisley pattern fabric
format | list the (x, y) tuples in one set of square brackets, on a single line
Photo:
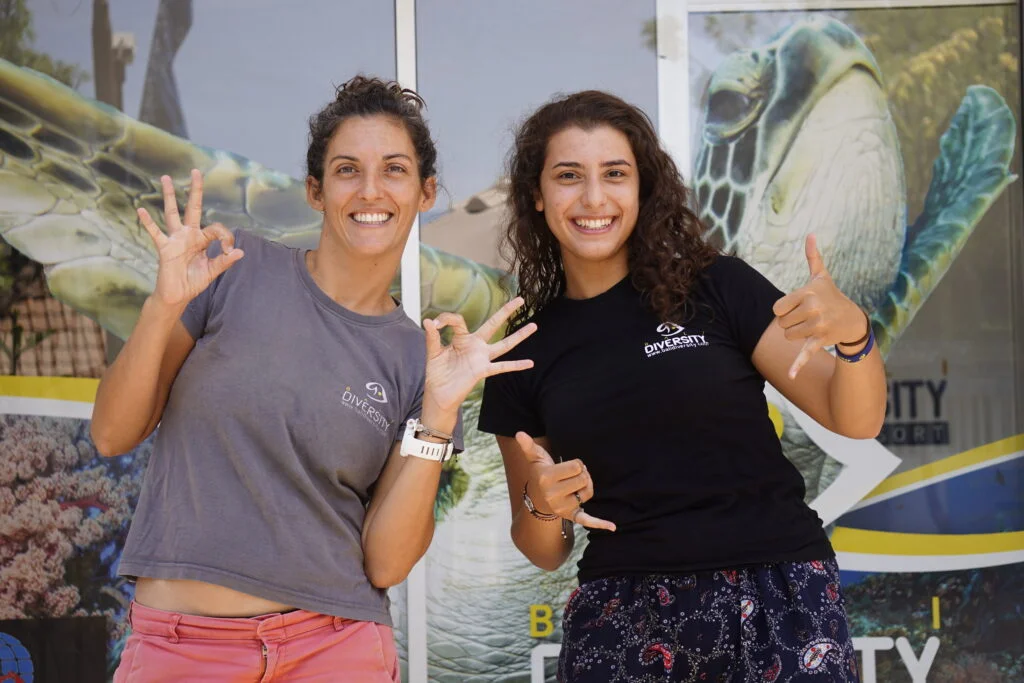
[(775, 622)]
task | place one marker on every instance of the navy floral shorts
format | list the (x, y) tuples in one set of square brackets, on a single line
[(774, 622)]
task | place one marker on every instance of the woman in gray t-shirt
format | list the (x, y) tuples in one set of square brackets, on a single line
[(277, 507)]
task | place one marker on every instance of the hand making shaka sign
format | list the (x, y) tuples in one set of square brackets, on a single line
[(819, 313), (561, 488)]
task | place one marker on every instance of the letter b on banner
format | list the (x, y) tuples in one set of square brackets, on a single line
[(540, 621)]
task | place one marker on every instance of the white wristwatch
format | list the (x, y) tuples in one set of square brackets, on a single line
[(428, 450)]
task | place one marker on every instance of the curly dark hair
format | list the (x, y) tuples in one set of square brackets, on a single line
[(666, 249), (366, 96)]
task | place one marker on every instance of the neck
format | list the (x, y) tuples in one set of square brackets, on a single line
[(361, 285), (587, 279)]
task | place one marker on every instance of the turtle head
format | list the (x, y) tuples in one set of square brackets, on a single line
[(736, 97), (787, 127)]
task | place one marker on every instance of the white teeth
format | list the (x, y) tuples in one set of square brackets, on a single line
[(593, 223), (371, 217)]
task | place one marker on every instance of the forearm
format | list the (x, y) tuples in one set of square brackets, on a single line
[(541, 541), (128, 395), (857, 395), (400, 529)]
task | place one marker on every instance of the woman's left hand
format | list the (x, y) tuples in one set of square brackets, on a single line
[(453, 370), (818, 312)]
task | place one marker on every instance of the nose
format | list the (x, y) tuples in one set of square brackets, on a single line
[(593, 194), (370, 188)]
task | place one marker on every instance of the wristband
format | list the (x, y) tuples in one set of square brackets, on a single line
[(853, 358)]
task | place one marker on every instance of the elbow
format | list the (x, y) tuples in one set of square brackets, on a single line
[(875, 428), (548, 563), (862, 433), (102, 441), (384, 567), (383, 581), (865, 429), (866, 422), (385, 577), (872, 430), (113, 439)]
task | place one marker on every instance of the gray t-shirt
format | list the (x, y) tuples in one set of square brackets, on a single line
[(276, 428)]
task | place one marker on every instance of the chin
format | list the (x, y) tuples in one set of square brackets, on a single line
[(374, 245), (377, 250), (595, 253)]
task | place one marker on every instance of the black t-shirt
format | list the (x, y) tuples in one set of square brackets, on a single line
[(672, 423)]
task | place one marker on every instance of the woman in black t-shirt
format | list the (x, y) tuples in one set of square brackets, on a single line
[(646, 405)]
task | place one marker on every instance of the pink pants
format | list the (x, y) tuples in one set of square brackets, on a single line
[(295, 646)]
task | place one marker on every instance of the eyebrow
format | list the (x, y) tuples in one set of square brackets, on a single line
[(387, 157), (576, 164)]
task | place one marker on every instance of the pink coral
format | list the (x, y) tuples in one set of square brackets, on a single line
[(51, 511)]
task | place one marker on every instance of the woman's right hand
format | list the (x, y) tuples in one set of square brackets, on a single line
[(559, 488), (185, 270)]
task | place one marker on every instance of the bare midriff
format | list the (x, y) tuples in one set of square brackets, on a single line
[(199, 598)]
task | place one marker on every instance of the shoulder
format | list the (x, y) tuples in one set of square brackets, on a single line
[(732, 276), (725, 267), (256, 248), (259, 246), (544, 319), (548, 334), (407, 331), (407, 339), (264, 260)]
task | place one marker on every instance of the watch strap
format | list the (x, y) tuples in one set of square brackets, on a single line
[(418, 448)]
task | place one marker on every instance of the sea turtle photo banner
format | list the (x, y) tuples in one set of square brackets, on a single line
[(890, 131)]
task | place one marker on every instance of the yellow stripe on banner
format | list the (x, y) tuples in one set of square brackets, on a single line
[(847, 540), (953, 463), (81, 389)]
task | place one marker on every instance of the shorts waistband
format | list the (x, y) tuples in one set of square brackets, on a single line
[(269, 628)]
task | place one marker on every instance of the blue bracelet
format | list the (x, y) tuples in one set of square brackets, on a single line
[(863, 352)]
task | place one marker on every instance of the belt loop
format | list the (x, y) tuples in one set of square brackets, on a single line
[(173, 627), (131, 608), (339, 623)]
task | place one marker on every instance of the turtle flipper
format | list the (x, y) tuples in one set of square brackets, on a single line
[(971, 171), (73, 172)]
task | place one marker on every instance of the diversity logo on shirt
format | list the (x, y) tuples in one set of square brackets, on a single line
[(673, 337), (375, 392)]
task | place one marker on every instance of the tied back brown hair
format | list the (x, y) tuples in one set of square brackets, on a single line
[(366, 96), (666, 249)]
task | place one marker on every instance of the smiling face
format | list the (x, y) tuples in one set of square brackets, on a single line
[(590, 196), (371, 190)]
